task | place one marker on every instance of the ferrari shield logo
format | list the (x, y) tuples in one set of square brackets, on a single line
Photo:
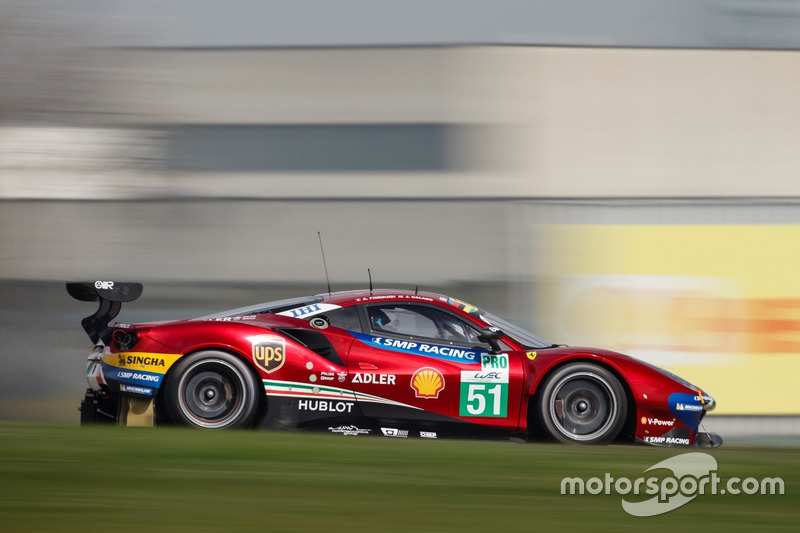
[(269, 352)]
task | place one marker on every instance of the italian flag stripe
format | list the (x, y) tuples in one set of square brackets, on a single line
[(296, 389)]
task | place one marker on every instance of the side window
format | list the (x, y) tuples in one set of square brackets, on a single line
[(458, 330), (345, 318), (420, 321), (402, 320)]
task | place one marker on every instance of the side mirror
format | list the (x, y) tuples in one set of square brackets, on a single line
[(490, 336)]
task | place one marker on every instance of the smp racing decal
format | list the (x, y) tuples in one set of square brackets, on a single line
[(447, 353), (269, 352), (673, 437), (484, 392), (133, 377)]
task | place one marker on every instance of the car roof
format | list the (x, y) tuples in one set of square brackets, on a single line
[(340, 298), (352, 297)]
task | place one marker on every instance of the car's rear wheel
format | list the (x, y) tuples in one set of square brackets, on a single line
[(582, 403), (212, 390)]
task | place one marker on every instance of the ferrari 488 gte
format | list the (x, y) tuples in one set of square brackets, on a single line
[(395, 363)]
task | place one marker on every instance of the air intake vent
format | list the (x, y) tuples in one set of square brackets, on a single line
[(314, 341)]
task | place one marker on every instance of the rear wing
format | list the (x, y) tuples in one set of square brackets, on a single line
[(111, 295)]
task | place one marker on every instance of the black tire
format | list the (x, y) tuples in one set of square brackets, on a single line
[(211, 390), (582, 403)]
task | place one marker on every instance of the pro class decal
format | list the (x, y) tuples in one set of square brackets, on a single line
[(448, 353), (485, 392), (269, 352)]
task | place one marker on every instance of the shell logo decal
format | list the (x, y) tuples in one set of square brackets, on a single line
[(427, 382)]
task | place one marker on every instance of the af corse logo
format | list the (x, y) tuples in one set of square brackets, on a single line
[(269, 352)]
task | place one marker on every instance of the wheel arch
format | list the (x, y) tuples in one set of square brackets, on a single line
[(260, 393), (535, 428)]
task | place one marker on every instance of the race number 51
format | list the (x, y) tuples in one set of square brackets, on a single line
[(485, 392)]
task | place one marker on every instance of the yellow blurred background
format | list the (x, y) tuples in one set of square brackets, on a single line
[(717, 304)]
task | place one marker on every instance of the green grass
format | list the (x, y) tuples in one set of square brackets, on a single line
[(63, 479)]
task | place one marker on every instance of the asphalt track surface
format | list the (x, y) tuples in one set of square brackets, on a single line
[(43, 350)]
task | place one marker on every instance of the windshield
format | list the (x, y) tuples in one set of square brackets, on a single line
[(526, 338)]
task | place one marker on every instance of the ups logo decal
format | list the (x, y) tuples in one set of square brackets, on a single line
[(269, 352)]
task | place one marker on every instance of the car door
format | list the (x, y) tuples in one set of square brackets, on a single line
[(419, 362)]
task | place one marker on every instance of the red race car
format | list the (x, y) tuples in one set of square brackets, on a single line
[(397, 363)]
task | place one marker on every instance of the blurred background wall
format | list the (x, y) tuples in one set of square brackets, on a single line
[(603, 172)]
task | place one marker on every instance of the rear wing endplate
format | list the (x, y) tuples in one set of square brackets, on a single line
[(111, 295)]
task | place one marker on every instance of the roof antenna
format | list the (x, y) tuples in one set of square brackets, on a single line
[(370, 281), (324, 264), (416, 290)]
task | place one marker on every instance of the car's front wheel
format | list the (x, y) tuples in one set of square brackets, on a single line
[(211, 389), (582, 403)]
